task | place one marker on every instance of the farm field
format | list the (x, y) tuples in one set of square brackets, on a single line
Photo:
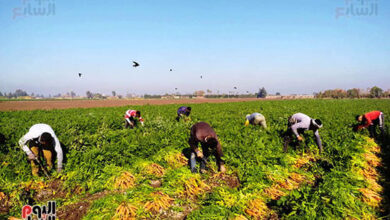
[(86, 103), (116, 173)]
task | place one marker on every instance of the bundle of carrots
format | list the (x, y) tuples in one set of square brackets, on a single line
[(125, 181), (160, 201), (125, 211)]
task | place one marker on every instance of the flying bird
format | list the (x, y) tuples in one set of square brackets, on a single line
[(80, 74), (170, 70), (235, 87), (201, 76), (175, 88), (135, 64)]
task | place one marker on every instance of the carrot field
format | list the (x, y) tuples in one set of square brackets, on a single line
[(115, 173)]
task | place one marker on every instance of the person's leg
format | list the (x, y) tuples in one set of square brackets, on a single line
[(193, 162), (133, 122), (263, 123), (371, 129), (34, 164), (220, 162), (206, 154), (48, 157), (382, 123), (302, 143), (287, 139)]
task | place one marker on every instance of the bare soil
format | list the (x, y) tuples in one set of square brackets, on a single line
[(76, 211), (65, 104)]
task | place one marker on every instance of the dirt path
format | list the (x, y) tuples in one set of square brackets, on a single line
[(65, 104)]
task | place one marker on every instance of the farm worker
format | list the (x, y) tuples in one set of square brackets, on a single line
[(183, 111), (255, 119), (131, 117), (370, 120), (41, 139), (298, 124), (202, 133)]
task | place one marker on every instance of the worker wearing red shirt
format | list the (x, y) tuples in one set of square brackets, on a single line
[(131, 117), (370, 120)]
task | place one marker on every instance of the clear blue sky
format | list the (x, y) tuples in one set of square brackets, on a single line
[(286, 46)]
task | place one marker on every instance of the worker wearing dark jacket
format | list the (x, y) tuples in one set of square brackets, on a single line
[(183, 111), (298, 124), (202, 133), (370, 120)]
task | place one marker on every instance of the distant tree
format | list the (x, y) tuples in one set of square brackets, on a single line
[(387, 94), (20, 92), (262, 93), (335, 93), (376, 92), (278, 93), (147, 96), (120, 96), (1, 94), (353, 93), (72, 94), (209, 91), (89, 95), (113, 93)]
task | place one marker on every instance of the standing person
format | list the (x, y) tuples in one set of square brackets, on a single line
[(183, 111), (255, 119), (370, 120), (202, 133), (39, 140), (298, 124), (131, 118)]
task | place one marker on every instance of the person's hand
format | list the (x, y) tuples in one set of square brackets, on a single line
[(199, 154), (300, 138), (32, 156)]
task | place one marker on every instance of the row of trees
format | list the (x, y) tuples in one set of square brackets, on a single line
[(90, 95), (18, 93), (374, 92)]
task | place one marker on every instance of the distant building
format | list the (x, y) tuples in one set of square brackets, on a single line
[(26, 97)]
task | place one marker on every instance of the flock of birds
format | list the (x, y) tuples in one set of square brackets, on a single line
[(136, 64)]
